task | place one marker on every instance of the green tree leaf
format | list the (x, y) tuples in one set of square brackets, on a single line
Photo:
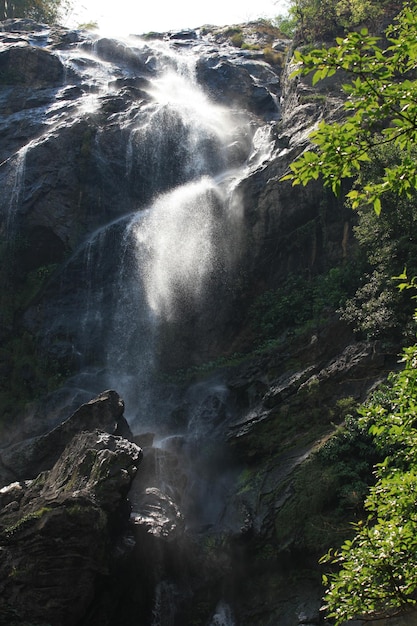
[(382, 91)]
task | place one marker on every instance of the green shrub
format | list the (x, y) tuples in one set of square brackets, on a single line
[(287, 24), (376, 575), (273, 57), (237, 40), (314, 20)]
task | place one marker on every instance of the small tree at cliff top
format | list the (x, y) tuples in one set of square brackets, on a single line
[(376, 571)]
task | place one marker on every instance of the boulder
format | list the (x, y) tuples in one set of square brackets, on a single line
[(228, 82), (158, 516), (19, 25), (55, 531), (139, 60)]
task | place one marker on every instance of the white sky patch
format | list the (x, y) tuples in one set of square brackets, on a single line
[(133, 17)]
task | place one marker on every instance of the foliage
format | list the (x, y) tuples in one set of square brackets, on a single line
[(49, 11), (375, 310), (376, 571), (302, 299), (273, 57), (387, 244), (378, 575), (330, 487), (9, 531), (381, 108), (286, 23), (24, 374), (350, 454), (92, 25), (237, 39)]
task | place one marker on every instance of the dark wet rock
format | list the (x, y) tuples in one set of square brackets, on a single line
[(340, 371), (26, 65), (285, 386), (233, 84), (183, 35), (144, 440), (140, 60), (63, 38), (156, 514), (21, 25), (163, 470)]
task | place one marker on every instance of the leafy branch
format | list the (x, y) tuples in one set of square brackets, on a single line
[(381, 107)]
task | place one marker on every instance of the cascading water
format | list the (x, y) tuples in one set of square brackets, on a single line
[(160, 164), (184, 156), (14, 190)]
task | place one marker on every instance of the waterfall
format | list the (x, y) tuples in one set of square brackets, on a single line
[(164, 609), (223, 616), (141, 189), (176, 245), (182, 155)]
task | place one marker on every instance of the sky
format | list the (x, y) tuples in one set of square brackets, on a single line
[(135, 17)]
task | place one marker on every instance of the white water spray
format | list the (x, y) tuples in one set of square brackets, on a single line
[(176, 245)]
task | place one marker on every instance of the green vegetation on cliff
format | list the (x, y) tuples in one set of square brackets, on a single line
[(387, 243), (312, 20), (378, 575), (375, 145), (381, 109)]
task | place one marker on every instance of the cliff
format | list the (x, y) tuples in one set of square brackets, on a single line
[(143, 222)]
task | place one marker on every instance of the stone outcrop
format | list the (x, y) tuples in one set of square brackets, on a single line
[(26, 459), (64, 520), (232, 84), (37, 68)]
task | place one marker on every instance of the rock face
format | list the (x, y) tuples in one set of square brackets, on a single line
[(37, 68)]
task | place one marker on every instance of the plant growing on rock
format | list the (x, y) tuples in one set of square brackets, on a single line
[(387, 244), (313, 20), (378, 575)]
